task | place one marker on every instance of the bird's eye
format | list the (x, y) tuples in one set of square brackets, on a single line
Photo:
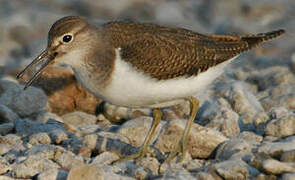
[(67, 38)]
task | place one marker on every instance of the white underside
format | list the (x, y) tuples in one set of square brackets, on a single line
[(129, 87)]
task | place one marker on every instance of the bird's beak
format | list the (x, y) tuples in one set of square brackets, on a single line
[(49, 57)]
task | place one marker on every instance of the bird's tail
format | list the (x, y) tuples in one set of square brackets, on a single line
[(254, 40)]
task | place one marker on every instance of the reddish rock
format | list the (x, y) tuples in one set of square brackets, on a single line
[(64, 93)]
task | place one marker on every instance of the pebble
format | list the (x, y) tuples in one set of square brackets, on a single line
[(105, 158), (6, 128), (201, 143), (24, 103), (278, 96), (281, 127), (65, 95), (39, 138), (250, 136), (217, 114), (93, 171), (7, 115), (276, 149), (28, 127), (273, 166), (137, 129), (232, 169), (288, 176), (244, 102), (288, 156), (58, 136), (235, 149), (52, 174), (79, 118)]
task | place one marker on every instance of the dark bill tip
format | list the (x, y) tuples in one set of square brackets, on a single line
[(43, 55)]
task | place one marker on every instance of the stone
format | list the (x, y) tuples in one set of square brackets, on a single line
[(68, 160), (288, 156), (6, 178), (137, 129), (272, 76), (46, 116), (218, 115), (204, 176), (4, 148), (105, 158), (244, 102), (276, 149), (201, 143), (150, 163), (235, 148), (79, 118), (39, 138), (288, 176), (278, 112), (24, 172), (7, 115), (118, 114), (52, 174), (232, 169), (250, 136), (64, 93), (273, 166), (281, 127), (28, 127), (45, 151), (58, 136), (24, 103), (90, 141), (279, 96), (114, 142), (262, 176), (6, 128), (36, 163), (93, 172)]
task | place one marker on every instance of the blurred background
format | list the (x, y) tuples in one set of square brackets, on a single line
[(24, 25)]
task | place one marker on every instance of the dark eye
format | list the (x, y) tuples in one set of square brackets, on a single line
[(67, 38)]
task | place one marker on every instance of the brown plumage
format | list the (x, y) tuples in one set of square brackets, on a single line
[(169, 52)]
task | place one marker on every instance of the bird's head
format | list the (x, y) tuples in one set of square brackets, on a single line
[(68, 38)]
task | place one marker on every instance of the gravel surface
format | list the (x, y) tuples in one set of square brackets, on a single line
[(245, 128)]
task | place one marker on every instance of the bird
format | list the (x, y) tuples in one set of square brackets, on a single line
[(143, 65)]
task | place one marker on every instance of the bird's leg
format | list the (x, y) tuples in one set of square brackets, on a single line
[(144, 148), (182, 144)]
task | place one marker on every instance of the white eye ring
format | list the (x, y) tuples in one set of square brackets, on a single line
[(67, 38)]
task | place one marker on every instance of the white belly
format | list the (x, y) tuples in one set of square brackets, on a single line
[(132, 88)]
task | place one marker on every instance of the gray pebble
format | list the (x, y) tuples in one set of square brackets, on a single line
[(217, 114), (24, 102), (6, 128), (232, 169), (7, 115)]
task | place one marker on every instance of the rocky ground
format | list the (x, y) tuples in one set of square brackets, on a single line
[(245, 128)]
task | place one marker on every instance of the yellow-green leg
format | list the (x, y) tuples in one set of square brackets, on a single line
[(182, 144), (144, 148)]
